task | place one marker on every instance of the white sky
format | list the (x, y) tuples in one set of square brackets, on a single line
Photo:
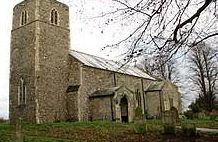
[(5, 25), (85, 37)]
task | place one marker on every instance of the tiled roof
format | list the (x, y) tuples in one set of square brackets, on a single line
[(101, 63)]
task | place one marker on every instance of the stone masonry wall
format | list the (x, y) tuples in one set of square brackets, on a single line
[(74, 71), (39, 54), (101, 109), (22, 66), (72, 106), (72, 97), (170, 91), (153, 103), (27, 5), (93, 79), (52, 71), (22, 62)]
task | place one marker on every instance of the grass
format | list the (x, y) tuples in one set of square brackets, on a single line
[(97, 131), (201, 123), (66, 131)]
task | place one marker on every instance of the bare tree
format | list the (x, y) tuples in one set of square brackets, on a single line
[(160, 66), (204, 73), (163, 25)]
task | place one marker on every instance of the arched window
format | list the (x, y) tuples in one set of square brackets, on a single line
[(22, 92), (23, 18), (54, 16)]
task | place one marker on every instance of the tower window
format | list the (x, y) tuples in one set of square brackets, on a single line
[(23, 18), (22, 92), (54, 16)]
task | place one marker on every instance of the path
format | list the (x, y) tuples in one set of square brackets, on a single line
[(207, 130)]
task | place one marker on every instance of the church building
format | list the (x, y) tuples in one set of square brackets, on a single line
[(49, 82)]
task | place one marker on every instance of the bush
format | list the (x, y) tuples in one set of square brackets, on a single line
[(189, 130)]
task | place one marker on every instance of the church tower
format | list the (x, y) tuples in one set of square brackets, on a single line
[(40, 40)]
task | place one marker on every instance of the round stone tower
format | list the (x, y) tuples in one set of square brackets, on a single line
[(40, 40)]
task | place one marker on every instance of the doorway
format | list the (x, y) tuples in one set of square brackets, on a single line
[(124, 109)]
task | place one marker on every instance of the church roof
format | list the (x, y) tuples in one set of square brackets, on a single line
[(104, 92), (101, 63)]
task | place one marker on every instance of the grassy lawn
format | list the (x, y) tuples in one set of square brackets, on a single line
[(98, 131)]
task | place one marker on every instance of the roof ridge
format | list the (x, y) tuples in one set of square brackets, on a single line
[(92, 55), (111, 65)]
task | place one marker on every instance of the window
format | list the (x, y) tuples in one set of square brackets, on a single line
[(22, 92), (54, 16), (171, 102), (138, 97), (23, 18)]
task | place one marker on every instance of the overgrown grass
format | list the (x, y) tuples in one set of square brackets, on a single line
[(6, 132)]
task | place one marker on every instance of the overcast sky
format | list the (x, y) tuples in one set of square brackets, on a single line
[(5, 25)]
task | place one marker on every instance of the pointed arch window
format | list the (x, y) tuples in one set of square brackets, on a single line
[(22, 91), (23, 18), (54, 17), (138, 97)]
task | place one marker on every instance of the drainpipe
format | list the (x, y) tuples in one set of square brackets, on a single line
[(78, 100), (115, 82), (112, 112), (111, 98), (161, 110)]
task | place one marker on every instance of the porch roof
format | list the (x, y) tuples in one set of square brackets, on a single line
[(104, 92)]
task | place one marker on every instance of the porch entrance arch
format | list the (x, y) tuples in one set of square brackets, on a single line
[(124, 109)]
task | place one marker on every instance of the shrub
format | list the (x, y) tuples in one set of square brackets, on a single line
[(189, 130)]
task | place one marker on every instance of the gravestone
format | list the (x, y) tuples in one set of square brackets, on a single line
[(175, 113), (169, 119)]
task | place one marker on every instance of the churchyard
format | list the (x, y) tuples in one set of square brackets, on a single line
[(105, 131)]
